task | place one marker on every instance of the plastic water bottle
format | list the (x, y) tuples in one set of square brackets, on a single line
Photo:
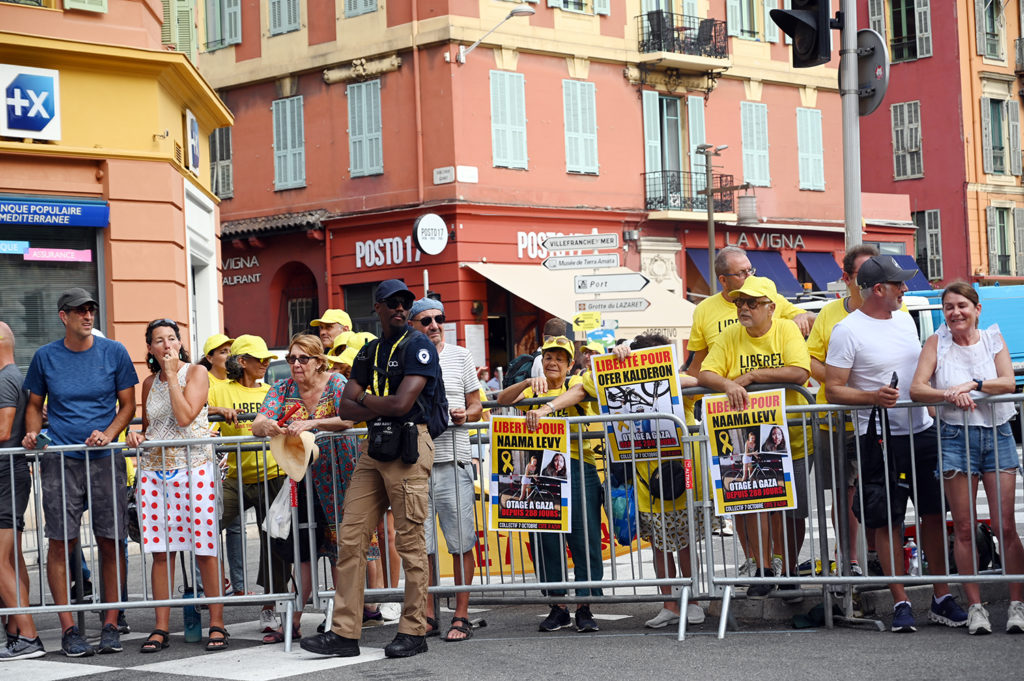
[(912, 559), (193, 621)]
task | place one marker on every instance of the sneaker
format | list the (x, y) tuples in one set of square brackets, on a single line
[(777, 566), (557, 619), (1015, 618), (664, 618), (903, 619), (694, 614), (329, 643), (748, 568), (947, 612), (855, 570), (73, 644), (390, 611), (22, 648), (762, 590), (268, 621), (122, 624), (585, 621), (110, 640), (977, 620)]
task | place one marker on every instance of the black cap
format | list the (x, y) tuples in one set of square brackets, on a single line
[(880, 269), (74, 297), (390, 287)]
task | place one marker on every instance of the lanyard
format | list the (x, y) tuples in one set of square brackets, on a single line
[(376, 369)]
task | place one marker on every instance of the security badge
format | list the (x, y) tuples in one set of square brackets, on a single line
[(423, 356)]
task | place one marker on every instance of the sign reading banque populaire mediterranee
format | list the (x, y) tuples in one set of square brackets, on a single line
[(31, 102), (23, 210)]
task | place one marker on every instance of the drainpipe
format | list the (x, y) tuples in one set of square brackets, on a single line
[(418, 104)]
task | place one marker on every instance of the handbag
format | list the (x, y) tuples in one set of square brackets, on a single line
[(668, 481)]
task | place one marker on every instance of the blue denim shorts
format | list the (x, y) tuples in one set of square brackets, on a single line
[(981, 442)]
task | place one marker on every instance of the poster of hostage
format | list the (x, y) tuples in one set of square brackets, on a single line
[(645, 382), (751, 459), (529, 475)]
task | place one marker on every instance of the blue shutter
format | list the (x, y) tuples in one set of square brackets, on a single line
[(365, 131), (809, 149), (578, 100), (695, 130), (603, 7), (732, 17), (282, 176), (652, 132), (291, 15), (788, 4), (297, 138), (232, 22), (754, 131), (276, 17), (508, 120), (771, 29)]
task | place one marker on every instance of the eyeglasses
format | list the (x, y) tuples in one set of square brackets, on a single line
[(751, 303), (83, 309), (394, 302), (265, 360), (749, 272), (427, 321), (301, 359)]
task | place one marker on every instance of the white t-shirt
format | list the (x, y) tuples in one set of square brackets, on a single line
[(459, 376), (872, 349)]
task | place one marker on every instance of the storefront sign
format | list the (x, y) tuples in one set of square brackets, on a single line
[(72, 214), (32, 102), (769, 240), (430, 234), (58, 255), (243, 263), (13, 247), (531, 244), (393, 251)]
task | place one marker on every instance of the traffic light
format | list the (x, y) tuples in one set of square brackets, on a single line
[(809, 24)]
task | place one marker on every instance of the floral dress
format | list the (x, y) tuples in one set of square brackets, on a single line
[(332, 471)]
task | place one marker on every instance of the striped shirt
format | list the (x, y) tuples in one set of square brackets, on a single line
[(459, 377)]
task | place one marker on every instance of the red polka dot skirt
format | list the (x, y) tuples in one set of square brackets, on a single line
[(178, 510)]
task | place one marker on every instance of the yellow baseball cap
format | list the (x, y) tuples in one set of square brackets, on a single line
[(595, 347), (333, 317), (559, 343), (215, 341), (755, 287), (254, 346)]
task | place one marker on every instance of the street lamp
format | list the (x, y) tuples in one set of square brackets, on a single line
[(710, 150), (517, 12)]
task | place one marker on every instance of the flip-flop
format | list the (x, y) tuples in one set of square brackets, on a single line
[(277, 636), (433, 627), (466, 628), (151, 645), (217, 643)]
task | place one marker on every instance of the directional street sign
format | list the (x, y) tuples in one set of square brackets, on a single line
[(581, 262), (584, 321), (613, 305), (610, 283), (581, 242)]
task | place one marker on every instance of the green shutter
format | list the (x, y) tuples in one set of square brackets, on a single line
[(754, 131), (809, 149), (1013, 132), (508, 120), (281, 177), (899, 135), (87, 5), (297, 134), (933, 241), (365, 131), (771, 29), (987, 162), (732, 17), (695, 131), (232, 22), (578, 100), (1018, 241), (186, 29), (169, 28), (289, 143), (992, 224), (603, 7), (979, 25)]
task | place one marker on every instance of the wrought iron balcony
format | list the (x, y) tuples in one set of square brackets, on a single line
[(662, 31), (678, 190)]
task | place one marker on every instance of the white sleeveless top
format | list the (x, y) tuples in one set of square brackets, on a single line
[(163, 426), (956, 364)]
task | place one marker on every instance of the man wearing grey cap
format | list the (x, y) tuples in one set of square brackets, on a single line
[(869, 350), (451, 481), (82, 377)]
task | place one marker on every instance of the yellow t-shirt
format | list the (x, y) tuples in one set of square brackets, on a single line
[(582, 409), (736, 352), (234, 395), (715, 314)]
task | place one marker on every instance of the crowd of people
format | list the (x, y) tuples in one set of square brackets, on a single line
[(863, 349)]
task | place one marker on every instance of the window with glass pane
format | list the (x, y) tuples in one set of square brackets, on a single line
[(904, 32), (1004, 242), (359, 306), (998, 136), (748, 18), (993, 30)]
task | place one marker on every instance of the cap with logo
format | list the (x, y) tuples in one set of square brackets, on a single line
[(390, 287), (333, 316), (559, 343), (254, 346), (74, 297), (880, 269), (215, 341), (755, 287)]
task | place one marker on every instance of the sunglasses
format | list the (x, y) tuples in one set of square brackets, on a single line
[(395, 302), (427, 321), (301, 359), (163, 322), (751, 303), (560, 341), (265, 360), (83, 309), (742, 273)]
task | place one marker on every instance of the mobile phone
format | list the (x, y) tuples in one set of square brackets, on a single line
[(43, 440), (894, 381)]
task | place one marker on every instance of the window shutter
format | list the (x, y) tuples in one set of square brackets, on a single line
[(899, 132), (500, 154), (214, 27), (754, 132), (809, 149), (695, 130), (933, 236), (732, 17), (1013, 131), (280, 113), (690, 8), (603, 7), (169, 28), (1018, 241), (771, 29), (508, 120), (802, 149), (297, 134), (186, 29), (652, 132), (993, 237), (276, 16), (979, 25), (876, 16), (580, 127), (588, 120), (788, 4), (365, 137), (367, 6), (924, 28), (912, 139), (291, 15), (747, 141), (375, 129), (987, 163), (570, 109), (87, 5), (232, 22), (554, 3)]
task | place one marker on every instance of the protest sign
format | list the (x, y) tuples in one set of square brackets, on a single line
[(530, 475)]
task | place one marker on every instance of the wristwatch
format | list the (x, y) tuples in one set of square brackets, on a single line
[(978, 383), (361, 399)]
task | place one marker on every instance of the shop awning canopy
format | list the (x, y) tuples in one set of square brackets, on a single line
[(820, 267), (767, 263), (552, 291), (918, 282)]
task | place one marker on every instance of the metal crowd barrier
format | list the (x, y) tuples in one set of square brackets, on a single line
[(506, 570)]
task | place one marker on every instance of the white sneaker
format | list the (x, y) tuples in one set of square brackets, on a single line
[(977, 620), (391, 611), (694, 614), (776, 566), (667, 617), (748, 568), (268, 621), (1015, 618)]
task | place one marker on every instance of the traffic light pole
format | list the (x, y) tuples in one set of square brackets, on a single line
[(848, 90)]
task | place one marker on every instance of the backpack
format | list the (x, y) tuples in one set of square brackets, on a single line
[(435, 405), (519, 368)]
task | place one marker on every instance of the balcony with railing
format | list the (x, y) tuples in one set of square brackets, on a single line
[(679, 190), (682, 41)]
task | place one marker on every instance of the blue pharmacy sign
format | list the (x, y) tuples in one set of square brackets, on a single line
[(31, 102), (51, 211)]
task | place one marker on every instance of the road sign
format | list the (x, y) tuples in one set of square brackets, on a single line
[(613, 305), (585, 321), (872, 69), (581, 242), (610, 283), (581, 262)]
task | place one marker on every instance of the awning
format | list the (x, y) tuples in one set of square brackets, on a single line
[(770, 264), (918, 282), (552, 291), (820, 267), (699, 257)]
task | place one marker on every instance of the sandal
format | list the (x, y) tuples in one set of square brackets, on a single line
[(461, 625), (433, 627), (277, 636), (217, 643), (151, 645)]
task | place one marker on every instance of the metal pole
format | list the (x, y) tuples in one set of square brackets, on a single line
[(712, 279), (848, 86)]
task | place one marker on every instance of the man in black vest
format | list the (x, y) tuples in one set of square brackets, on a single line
[(387, 378)]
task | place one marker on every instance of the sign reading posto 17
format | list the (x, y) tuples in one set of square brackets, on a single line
[(31, 102)]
